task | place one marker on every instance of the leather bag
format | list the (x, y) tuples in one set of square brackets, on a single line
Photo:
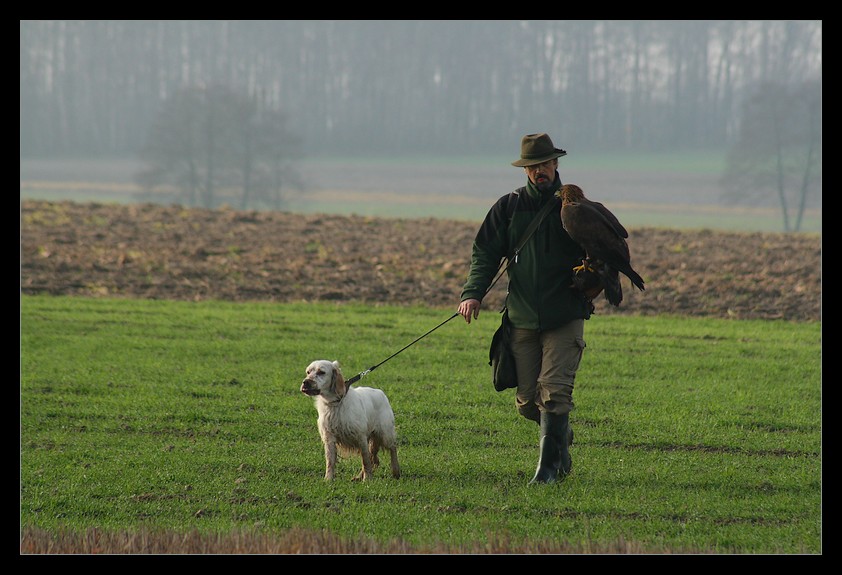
[(500, 356)]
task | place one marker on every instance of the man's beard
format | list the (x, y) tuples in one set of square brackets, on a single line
[(545, 185)]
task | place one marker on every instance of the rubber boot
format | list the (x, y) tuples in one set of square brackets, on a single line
[(566, 432), (556, 438)]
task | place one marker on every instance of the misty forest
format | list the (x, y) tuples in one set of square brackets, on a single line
[(242, 100)]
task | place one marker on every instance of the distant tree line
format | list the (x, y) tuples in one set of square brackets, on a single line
[(364, 86)]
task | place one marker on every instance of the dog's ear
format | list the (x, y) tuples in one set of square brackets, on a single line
[(337, 381)]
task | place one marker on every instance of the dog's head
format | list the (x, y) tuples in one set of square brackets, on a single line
[(324, 378)]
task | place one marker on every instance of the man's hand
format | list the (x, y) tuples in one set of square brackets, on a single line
[(587, 280), (469, 309)]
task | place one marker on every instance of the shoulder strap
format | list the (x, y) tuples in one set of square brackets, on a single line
[(533, 225), (511, 205)]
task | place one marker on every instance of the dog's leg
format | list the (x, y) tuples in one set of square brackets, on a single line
[(330, 460), (374, 446), (365, 472), (396, 468)]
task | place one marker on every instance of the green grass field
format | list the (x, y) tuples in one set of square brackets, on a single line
[(697, 435)]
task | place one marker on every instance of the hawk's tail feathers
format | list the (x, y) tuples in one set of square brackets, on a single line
[(635, 279), (611, 283)]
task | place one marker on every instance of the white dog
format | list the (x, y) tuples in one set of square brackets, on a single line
[(355, 419)]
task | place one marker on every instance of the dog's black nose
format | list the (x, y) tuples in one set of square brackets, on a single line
[(309, 387)]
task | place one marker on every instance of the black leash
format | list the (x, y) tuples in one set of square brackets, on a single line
[(500, 271), (533, 225), (373, 367)]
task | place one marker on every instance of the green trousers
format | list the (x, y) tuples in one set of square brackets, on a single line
[(546, 363)]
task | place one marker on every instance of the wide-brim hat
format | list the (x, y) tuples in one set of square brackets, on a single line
[(537, 149)]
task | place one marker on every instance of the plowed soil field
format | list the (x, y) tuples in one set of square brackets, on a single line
[(172, 252)]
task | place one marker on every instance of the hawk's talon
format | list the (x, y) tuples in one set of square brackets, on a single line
[(586, 266)]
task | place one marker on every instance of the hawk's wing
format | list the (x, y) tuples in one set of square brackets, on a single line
[(610, 219), (596, 229)]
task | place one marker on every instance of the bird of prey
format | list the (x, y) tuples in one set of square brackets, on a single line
[(603, 237)]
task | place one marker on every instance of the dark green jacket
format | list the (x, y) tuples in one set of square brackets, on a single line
[(540, 293)]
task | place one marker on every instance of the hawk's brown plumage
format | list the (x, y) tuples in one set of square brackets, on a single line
[(602, 236)]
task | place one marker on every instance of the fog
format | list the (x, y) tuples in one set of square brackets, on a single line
[(442, 93)]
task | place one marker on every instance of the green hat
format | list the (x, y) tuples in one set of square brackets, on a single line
[(537, 149)]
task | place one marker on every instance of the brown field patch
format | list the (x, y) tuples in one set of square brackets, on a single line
[(172, 252)]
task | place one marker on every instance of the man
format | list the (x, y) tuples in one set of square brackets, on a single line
[(547, 314)]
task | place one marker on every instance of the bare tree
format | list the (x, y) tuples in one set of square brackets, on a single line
[(276, 152), (779, 150), (172, 152), (208, 146)]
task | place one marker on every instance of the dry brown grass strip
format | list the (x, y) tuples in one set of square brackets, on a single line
[(34, 541)]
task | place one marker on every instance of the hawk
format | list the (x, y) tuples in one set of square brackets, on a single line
[(603, 237)]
